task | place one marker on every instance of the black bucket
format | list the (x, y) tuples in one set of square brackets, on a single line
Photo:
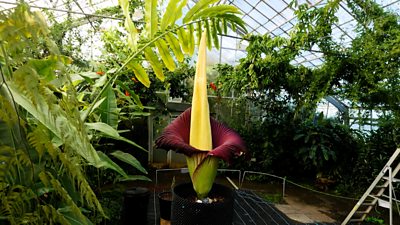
[(165, 200), (135, 205), (185, 211)]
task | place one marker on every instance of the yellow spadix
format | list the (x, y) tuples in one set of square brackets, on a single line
[(202, 168)]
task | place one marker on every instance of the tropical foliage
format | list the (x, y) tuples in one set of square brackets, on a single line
[(52, 117), (285, 94)]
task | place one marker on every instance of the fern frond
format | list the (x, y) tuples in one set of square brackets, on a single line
[(151, 17), (214, 33), (169, 14), (140, 73), (190, 37), (165, 54), (154, 62), (175, 46), (215, 11), (200, 5), (183, 40)]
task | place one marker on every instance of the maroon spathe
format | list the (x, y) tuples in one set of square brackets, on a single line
[(226, 142)]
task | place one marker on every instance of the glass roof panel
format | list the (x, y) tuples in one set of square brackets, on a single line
[(261, 17)]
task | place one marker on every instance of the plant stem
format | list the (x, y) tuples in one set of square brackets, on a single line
[(113, 78)]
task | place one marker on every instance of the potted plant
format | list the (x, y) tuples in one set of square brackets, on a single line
[(204, 141), (165, 201)]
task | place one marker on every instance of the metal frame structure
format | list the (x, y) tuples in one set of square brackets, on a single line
[(261, 16)]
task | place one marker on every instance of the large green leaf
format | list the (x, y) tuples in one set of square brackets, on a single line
[(169, 14), (85, 113), (200, 5), (134, 177), (111, 132), (107, 162), (190, 37), (214, 33), (183, 40), (165, 54), (155, 63), (140, 73), (128, 158), (46, 67), (135, 97), (73, 136), (175, 46), (151, 17), (130, 27), (215, 11), (108, 108), (10, 133), (72, 218), (233, 20), (178, 12), (208, 31)]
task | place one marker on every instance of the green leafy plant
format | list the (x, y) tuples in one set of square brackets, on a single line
[(45, 144)]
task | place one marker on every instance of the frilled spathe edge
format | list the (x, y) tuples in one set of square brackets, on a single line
[(227, 144)]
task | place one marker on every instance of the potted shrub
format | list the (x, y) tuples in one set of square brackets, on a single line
[(204, 141)]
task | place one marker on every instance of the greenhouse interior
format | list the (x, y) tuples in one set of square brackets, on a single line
[(199, 112)]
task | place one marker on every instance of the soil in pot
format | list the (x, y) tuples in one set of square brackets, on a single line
[(186, 210)]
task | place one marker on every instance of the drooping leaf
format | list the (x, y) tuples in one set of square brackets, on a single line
[(72, 218), (111, 132), (199, 31), (215, 11), (57, 124), (191, 42), (178, 12), (183, 39), (140, 73), (218, 26), (169, 14), (151, 17), (234, 21), (134, 177), (214, 33), (225, 26), (209, 38), (135, 97), (46, 67), (109, 109), (155, 63), (85, 113), (128, 158), (165, 54), (200, 5), (175, 46), (129, 26), (111, 164)]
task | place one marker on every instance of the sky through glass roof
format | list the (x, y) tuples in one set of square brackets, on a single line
[(274, 17)]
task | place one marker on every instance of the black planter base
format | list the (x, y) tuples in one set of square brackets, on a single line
[(165, 201), (187, 212)]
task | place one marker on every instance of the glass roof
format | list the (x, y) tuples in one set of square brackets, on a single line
[(261, 17)]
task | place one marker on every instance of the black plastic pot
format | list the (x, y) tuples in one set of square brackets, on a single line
[(165, 201), (185, 211), (135, 206)]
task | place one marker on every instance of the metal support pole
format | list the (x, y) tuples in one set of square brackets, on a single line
[(390, 196), (283, 187)]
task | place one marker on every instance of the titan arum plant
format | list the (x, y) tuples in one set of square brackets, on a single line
[(202, 139)]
